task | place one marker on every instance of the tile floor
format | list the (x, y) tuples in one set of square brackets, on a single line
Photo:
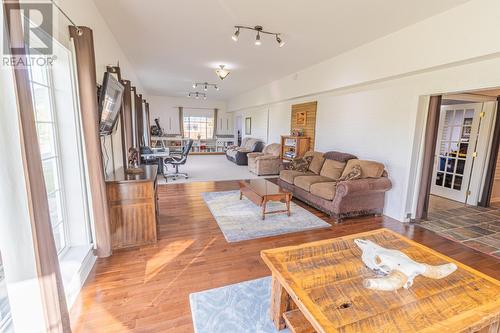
[(476, 227)]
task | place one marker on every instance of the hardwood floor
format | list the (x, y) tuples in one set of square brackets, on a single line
[(146, 289)]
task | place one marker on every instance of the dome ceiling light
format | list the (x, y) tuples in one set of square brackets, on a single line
[(221, 72), (205, 85), (260, 30), (197, 95)]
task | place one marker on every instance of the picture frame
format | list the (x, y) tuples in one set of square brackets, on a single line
[(301, 118), (248, 126)]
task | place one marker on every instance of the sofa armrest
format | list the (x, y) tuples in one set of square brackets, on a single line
[(362, 186), (265, 157), (254, 155)]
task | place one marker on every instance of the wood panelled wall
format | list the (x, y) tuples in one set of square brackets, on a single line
[(310, 125)]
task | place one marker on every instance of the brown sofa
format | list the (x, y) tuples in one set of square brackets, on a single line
[(320, 188), (266, 163)]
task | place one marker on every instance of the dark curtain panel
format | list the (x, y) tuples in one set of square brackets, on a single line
[(431, 132), (139, 116), (490, 172), (86, 72), (216, 115), (127, 135), (148, 124), (181, 121), (47, 262)]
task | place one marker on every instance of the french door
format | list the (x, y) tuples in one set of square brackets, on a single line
[(455, 150)]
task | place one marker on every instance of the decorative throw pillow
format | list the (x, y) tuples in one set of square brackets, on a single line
[(300, 164), (355, 173)]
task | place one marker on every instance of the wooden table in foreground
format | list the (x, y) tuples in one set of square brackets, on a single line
[(261, 191), (317, 287)]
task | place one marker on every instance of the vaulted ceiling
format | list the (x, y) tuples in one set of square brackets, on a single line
[(174, 43)]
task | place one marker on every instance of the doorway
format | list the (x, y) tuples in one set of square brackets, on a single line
[(456, 151), (460, 158)]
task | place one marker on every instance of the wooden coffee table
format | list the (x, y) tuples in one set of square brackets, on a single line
[(317, 287), (260, 191)]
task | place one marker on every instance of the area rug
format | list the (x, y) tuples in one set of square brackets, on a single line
[(241, 220), (236, 308)]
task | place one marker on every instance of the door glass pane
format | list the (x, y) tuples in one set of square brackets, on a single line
[(469, 114), (59, 237), (442, 164), (447, 180), (439, 179), (39, 74), (42, 103), (455, 133), (457, 183), (463, 149), (450, 167), (4, 300), (459, 116), (460, 166), (50, 175), (55, 207), (46, 139)]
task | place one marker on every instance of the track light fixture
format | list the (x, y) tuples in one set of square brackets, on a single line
[(221, 72), (197, 95), (205, 85), (260, 30)]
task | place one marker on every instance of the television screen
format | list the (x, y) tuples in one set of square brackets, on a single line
[(110, 101)]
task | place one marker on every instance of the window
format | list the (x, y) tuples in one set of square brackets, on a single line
[(46, 125), (198, 127)]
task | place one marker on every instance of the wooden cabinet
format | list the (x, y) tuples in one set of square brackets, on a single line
[(294, 146), (133, 207)]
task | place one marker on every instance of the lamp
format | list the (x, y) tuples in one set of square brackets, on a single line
[(205, 85), (221, 72), (259, 30)]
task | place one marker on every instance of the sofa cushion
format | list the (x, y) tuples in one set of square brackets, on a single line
[(317, 162), (332, 169), (324, 190), (289, 175), (339, 156), (249, 144), (369, 169), (300, 164), (272, 149), (305, 182), (232, 153), (353, 175)]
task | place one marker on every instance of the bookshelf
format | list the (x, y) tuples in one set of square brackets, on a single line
[(294, 146)]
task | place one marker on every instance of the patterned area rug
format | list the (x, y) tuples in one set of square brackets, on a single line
[(475, 227), (237, 308), (241, 219)]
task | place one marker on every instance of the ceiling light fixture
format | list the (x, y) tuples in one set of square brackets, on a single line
[(205, 85), (221, 72), (236, 34), (257, 39), (260, 30), (197, 95)]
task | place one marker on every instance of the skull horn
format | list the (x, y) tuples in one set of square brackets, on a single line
[(440, 271), (393, 281)]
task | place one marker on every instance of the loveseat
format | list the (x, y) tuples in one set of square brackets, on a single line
[(267, 162), (238, 154), (322, 187)]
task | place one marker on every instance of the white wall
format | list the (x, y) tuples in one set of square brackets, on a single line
[(369, 98), (166, 109)]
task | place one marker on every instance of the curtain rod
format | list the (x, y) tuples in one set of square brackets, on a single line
[(195, 108), (78, 30)]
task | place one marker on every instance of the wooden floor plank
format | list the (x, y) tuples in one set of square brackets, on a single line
[(146, 289)]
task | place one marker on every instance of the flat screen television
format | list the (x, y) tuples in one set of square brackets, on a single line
[(110, 102)]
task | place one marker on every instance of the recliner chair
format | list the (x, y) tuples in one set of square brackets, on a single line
[(175, 161)]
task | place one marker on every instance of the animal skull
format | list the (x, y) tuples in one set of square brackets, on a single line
[(397, 268)]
